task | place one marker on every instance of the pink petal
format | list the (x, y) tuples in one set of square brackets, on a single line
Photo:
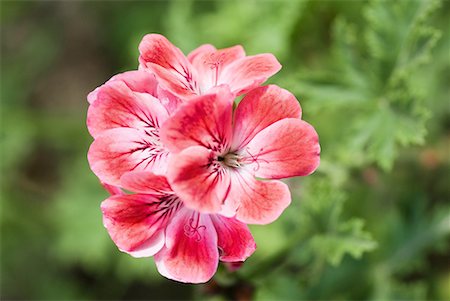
[(249, 72), (120, 150), (202, 184), (113, 190), (191, 253), (234, 238), (137, 81), (287, 148), (150, 247), (134, 222), (168, 63), (143, 81), (182, 85), (210, 65), (200, 50), (145, 182), (117, 106), (259, 202), (204, 120), (92, 96), (169, 100), (156, 49), (260, 108)]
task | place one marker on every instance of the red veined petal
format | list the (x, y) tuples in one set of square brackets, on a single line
[(134, 222), (249, 72), (168, 63), (260, 108), (204, 120), (235, 241), (257, 202), (210, 65), (136, 80), (121, 150), (202, 184), (145, 182), (117, 106), (287, 148), (191, 253), (205, 48)]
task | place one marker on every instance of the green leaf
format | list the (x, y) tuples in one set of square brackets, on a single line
[(349, 238), (373, 85), (334, 236)]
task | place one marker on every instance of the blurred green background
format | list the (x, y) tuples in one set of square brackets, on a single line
[(372, 223)]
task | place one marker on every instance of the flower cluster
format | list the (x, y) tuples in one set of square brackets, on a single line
[(196, 168)]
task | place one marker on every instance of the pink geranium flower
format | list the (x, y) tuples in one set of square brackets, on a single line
[(205, 67), (220, 154), (124, 118), (185, 243), (174, 119)]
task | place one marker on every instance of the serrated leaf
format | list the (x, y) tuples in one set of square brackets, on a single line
[(333, 235), (349, 238), (374, 82)]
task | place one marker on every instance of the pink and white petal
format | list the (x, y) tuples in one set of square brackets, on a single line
[(121, 150), (117, 106), (209, 65), (228, 208), (259, 202), (134, 222), (235, 240), (174, 68), (220, 57), (92, 96), (249, 72), (150, 247), (191, 253), (136, 80), (182, 85), (113, 190), (205, 48), (287, 148), (145, 182), (226, 56), (200, 183), (169, 100), (204, 120), (260, 108), (157, 49)]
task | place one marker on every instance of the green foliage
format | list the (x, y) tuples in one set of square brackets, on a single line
[(374, 80), (372, 77), (333, 236), (348, 238), (270, 34)]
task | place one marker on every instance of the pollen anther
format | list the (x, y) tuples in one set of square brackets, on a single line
[(230, 160)]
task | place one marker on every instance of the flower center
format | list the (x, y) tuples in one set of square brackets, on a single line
[(230, 160)]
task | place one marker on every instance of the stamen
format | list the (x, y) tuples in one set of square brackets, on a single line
[(214, 61), (231, 160), (192, 229), (250, 159)]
